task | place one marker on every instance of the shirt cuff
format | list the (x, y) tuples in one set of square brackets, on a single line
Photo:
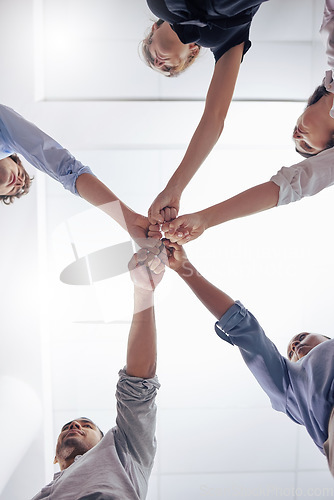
[(229, 320)]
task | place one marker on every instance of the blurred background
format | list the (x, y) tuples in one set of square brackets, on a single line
[(73, 68)]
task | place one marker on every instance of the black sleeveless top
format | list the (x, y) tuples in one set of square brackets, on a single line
[(215, 24)]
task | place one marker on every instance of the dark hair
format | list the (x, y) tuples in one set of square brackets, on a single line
[(102, 434), (315, 97), (176, 70), (8, 199)]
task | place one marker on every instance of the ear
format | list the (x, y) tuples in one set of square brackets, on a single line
[(155, 27), (194, 49), (55, 461)]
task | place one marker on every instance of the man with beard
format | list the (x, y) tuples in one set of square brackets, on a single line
[(118, 465)]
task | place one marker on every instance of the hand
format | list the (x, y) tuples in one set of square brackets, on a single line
[(140, 230), (185, 228), (166, 204), (168, 214), (147, 268), (177, 257)]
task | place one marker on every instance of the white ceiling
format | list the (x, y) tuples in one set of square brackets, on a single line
[(216, 430)]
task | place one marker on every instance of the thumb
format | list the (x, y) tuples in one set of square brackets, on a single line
[(154, 215), (175, 225)]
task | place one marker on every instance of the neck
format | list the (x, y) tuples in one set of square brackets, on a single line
[(66, 459)]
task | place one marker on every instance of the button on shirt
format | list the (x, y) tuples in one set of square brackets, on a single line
[(18, 135)]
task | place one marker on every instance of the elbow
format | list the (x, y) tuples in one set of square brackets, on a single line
[(214, 119), (144, 372)]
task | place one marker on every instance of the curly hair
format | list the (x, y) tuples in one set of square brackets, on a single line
[(148, 59), (8, 199), (315, 97)]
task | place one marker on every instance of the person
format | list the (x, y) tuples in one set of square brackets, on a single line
[(19, 136), (314, 130), (301, 385), (172, 45), (118, 465)]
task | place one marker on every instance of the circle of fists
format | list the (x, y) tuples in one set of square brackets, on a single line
[(163, 216)]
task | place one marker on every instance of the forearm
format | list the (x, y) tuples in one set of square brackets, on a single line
[(254, 200), (203, 141), (142, 343), (95, 192), (215, 300)]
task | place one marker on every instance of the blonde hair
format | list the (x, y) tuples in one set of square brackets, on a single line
[(8, 199), (174, 71)]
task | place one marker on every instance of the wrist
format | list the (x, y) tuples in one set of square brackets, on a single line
[(207, 218), (186, 270), (143, 299), (143, 292), (175, 184)]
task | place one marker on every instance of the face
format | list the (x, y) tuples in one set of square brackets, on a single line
[(166, 49), (315, 127), (12, 177), (76, 438), (302, 344)]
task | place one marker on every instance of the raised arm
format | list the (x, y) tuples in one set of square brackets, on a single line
[(146, 271), (237, 326), (210, 127), (214, 299), (18, 135), (290, 184), (98, 194), (188, 227)]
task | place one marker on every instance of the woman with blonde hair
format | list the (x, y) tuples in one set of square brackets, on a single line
[(173, 44), (313, 133)]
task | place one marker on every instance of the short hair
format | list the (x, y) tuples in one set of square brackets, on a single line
[(176, 70), (8, 199), (86, 418), (319, 92)]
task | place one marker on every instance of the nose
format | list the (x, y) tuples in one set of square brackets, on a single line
[(294, 344), (297, 134), (75, 425), (158, 63)]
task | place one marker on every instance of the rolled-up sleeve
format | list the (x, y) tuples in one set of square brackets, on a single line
[(40, 150), (259, 353), (327, 31), (306, 178), (136, 416)]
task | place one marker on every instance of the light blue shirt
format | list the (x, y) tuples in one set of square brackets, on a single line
[(303, 390), (18, 135)]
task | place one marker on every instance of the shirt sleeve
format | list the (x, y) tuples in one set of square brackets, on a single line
[(44, 153), (306, 178), (136, 416), (327, 31), (259, 353)]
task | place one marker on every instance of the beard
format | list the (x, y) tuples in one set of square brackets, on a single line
[(71, 447)]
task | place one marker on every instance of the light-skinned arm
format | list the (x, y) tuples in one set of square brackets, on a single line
[(188, 227), (146, 270), (207, 133), (98, 194), (214, 299)]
